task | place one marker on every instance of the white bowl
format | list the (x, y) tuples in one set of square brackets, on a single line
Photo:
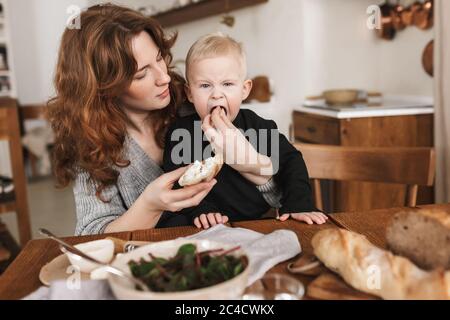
[(102, 250), (124, 289)]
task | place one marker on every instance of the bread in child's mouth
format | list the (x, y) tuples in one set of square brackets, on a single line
[(203, 171)]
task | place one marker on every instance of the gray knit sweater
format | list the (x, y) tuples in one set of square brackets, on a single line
[(93, 215)]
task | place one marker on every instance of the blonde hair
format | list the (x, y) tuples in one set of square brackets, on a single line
[(214, 45)]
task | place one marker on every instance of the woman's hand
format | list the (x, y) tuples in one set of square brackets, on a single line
[(160, 196), (209, 220), (308, 217), (237, 152)]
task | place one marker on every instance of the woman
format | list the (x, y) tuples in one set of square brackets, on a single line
[(115, 97)]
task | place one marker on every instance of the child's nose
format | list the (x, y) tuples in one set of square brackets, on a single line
[(217, 94)]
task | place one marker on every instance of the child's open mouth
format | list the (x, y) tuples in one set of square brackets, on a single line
[(220, 107)]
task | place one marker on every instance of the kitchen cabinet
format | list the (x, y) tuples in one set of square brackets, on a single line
[(403, 130)]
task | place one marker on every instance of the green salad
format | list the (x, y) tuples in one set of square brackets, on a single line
[(188, 269)]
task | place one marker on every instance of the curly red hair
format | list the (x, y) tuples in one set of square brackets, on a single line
[(95, 66)]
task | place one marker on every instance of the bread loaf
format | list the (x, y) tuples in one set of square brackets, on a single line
[(373, 270), (423, 236)]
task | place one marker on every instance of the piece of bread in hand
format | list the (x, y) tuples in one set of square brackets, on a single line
[(422, 235), (376, 271), (202, 171)]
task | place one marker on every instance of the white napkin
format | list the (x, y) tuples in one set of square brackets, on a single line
[(265, 251)]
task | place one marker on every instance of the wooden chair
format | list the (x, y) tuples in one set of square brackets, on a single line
[(409, 166), (31, 112), (9, 131)]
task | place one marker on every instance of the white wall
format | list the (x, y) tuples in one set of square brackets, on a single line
[(339, 50), (37, 26), (342, 52)]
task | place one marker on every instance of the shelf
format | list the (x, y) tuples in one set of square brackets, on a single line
[(202, 9)]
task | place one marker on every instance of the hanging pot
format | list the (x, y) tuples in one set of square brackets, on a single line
[(396, 15), (409, 12), (423, 18), (387, 30)]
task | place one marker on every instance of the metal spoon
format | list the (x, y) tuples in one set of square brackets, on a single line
[(65, 247)]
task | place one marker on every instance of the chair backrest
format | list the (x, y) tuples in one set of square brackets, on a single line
[(4, 128), (32, 111), (412, 166)]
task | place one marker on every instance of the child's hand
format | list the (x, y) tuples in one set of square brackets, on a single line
[(308, 217), (208, 220), (237, 152)]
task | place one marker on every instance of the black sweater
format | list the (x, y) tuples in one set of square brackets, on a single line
[(233, 195)]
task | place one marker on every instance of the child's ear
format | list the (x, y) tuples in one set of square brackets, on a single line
[(187, 90), (247, 88)]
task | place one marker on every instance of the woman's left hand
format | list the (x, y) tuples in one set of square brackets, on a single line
[(237, 152)]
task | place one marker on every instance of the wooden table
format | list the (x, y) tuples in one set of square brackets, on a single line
[(22, 276)]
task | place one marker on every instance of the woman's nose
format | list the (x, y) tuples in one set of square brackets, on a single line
[(162, 78)]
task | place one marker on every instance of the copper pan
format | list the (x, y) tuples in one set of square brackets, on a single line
[(423, 18), (387, 30), (396, 16), (408, 13)]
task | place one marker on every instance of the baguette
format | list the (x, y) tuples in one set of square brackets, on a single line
[(421, 235), (375, 271), (201, 171)]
